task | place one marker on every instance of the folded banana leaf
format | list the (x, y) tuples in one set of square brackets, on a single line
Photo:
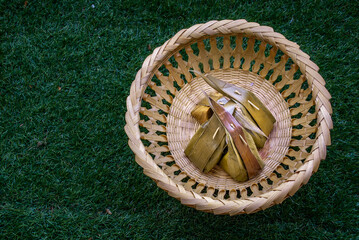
[(202, 113), (206, 146), (253, 148), (240, 138), (216, 156), (232, 162), (261, 115), (216, 96), (212, 143), (230, 107), (245, 119)]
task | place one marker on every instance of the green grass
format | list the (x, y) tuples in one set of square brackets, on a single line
[(64, 154)]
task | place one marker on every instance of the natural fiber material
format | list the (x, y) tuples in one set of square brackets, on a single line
[(239, 139), (243, 116), (159, 123), (202, 113), (232, 162), (260, 114), (206, 146)]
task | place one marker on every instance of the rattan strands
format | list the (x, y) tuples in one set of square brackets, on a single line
[(164, 92)]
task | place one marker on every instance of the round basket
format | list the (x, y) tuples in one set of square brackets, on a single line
[(162, 96)]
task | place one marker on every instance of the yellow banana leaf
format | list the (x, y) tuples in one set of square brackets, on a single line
[(202, 147), (202, 113), (232, 162), (216, 156), (244, 118), (261, 115)]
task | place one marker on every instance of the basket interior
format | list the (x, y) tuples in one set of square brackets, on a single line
[(173, 91)]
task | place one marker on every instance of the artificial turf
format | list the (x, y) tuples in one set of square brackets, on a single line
[(66, 70)]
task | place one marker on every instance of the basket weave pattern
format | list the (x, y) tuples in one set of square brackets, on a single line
[(159, 124)]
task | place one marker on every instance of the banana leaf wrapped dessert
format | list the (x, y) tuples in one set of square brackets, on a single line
[(222, 139), (206, 145), (260, 114)]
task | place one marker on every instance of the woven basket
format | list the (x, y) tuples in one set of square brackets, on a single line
[(162, 96)]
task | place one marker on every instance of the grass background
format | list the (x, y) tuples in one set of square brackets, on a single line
[(66, 70)]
